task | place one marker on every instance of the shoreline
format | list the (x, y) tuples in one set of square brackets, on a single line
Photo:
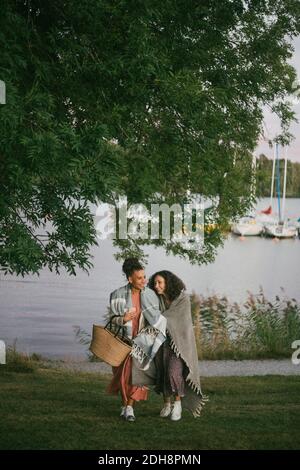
[(218, 368)]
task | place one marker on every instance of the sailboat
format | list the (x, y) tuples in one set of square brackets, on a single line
[(249, 226), (278, 227)]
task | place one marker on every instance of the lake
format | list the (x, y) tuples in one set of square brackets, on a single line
[(40, 312)]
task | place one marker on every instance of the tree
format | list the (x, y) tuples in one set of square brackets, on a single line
[(148, 99), (264, 177)]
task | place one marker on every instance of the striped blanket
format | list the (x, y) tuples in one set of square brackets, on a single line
[(152, 325)]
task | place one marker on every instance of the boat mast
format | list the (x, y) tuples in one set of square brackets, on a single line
[(273, 176), (278, 182), (253, 181), (284, 182)]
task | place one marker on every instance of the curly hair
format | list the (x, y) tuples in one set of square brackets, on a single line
[(130, 265), (174, 285)]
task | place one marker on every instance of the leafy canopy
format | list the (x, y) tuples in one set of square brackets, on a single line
[(148, 99)]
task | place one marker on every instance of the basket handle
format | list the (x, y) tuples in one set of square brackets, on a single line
[(109, 324)]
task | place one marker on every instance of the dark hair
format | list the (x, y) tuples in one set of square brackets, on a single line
[(130, 265), (174, 285)]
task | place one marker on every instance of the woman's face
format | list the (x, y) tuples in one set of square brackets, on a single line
[(138, 279), (159, 285)]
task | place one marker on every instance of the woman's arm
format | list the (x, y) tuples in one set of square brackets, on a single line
[(120, 320), (118, 312)]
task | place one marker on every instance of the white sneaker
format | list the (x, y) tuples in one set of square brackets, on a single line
[(166, 410), (123, 409), (129, 414), (176, 411)]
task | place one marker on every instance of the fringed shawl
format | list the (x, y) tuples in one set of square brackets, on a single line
[(182, 342)]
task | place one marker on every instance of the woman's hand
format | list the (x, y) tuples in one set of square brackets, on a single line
[(129, 315)]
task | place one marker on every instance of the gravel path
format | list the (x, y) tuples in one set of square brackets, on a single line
[(206, 368)]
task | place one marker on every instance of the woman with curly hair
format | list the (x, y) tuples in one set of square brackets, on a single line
[(177, 369)]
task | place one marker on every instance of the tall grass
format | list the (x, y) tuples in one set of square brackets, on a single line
[(258, 328), (17, 361)]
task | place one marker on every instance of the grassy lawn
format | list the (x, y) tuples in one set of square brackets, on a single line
[(51, 409)]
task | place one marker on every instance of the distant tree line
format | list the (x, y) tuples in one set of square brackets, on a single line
[(264, 176)]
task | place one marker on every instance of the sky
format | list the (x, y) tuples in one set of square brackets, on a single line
[(272, 125)]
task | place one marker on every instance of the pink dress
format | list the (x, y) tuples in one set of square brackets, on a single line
[(122, 381)]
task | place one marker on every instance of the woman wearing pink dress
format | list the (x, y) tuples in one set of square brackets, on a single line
[(122, 375)]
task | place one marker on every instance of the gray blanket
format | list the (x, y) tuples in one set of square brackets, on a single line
[(181, 332)]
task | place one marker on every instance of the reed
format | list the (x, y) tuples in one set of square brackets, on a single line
[(259, 328), (17, 361)]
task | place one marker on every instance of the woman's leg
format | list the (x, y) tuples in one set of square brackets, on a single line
[(129, 413), (176, 377), (176, 367)]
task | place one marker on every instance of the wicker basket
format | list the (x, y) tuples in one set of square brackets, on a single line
[(108, 346)]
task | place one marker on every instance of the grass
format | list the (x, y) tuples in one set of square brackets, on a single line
[(55, 409)]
